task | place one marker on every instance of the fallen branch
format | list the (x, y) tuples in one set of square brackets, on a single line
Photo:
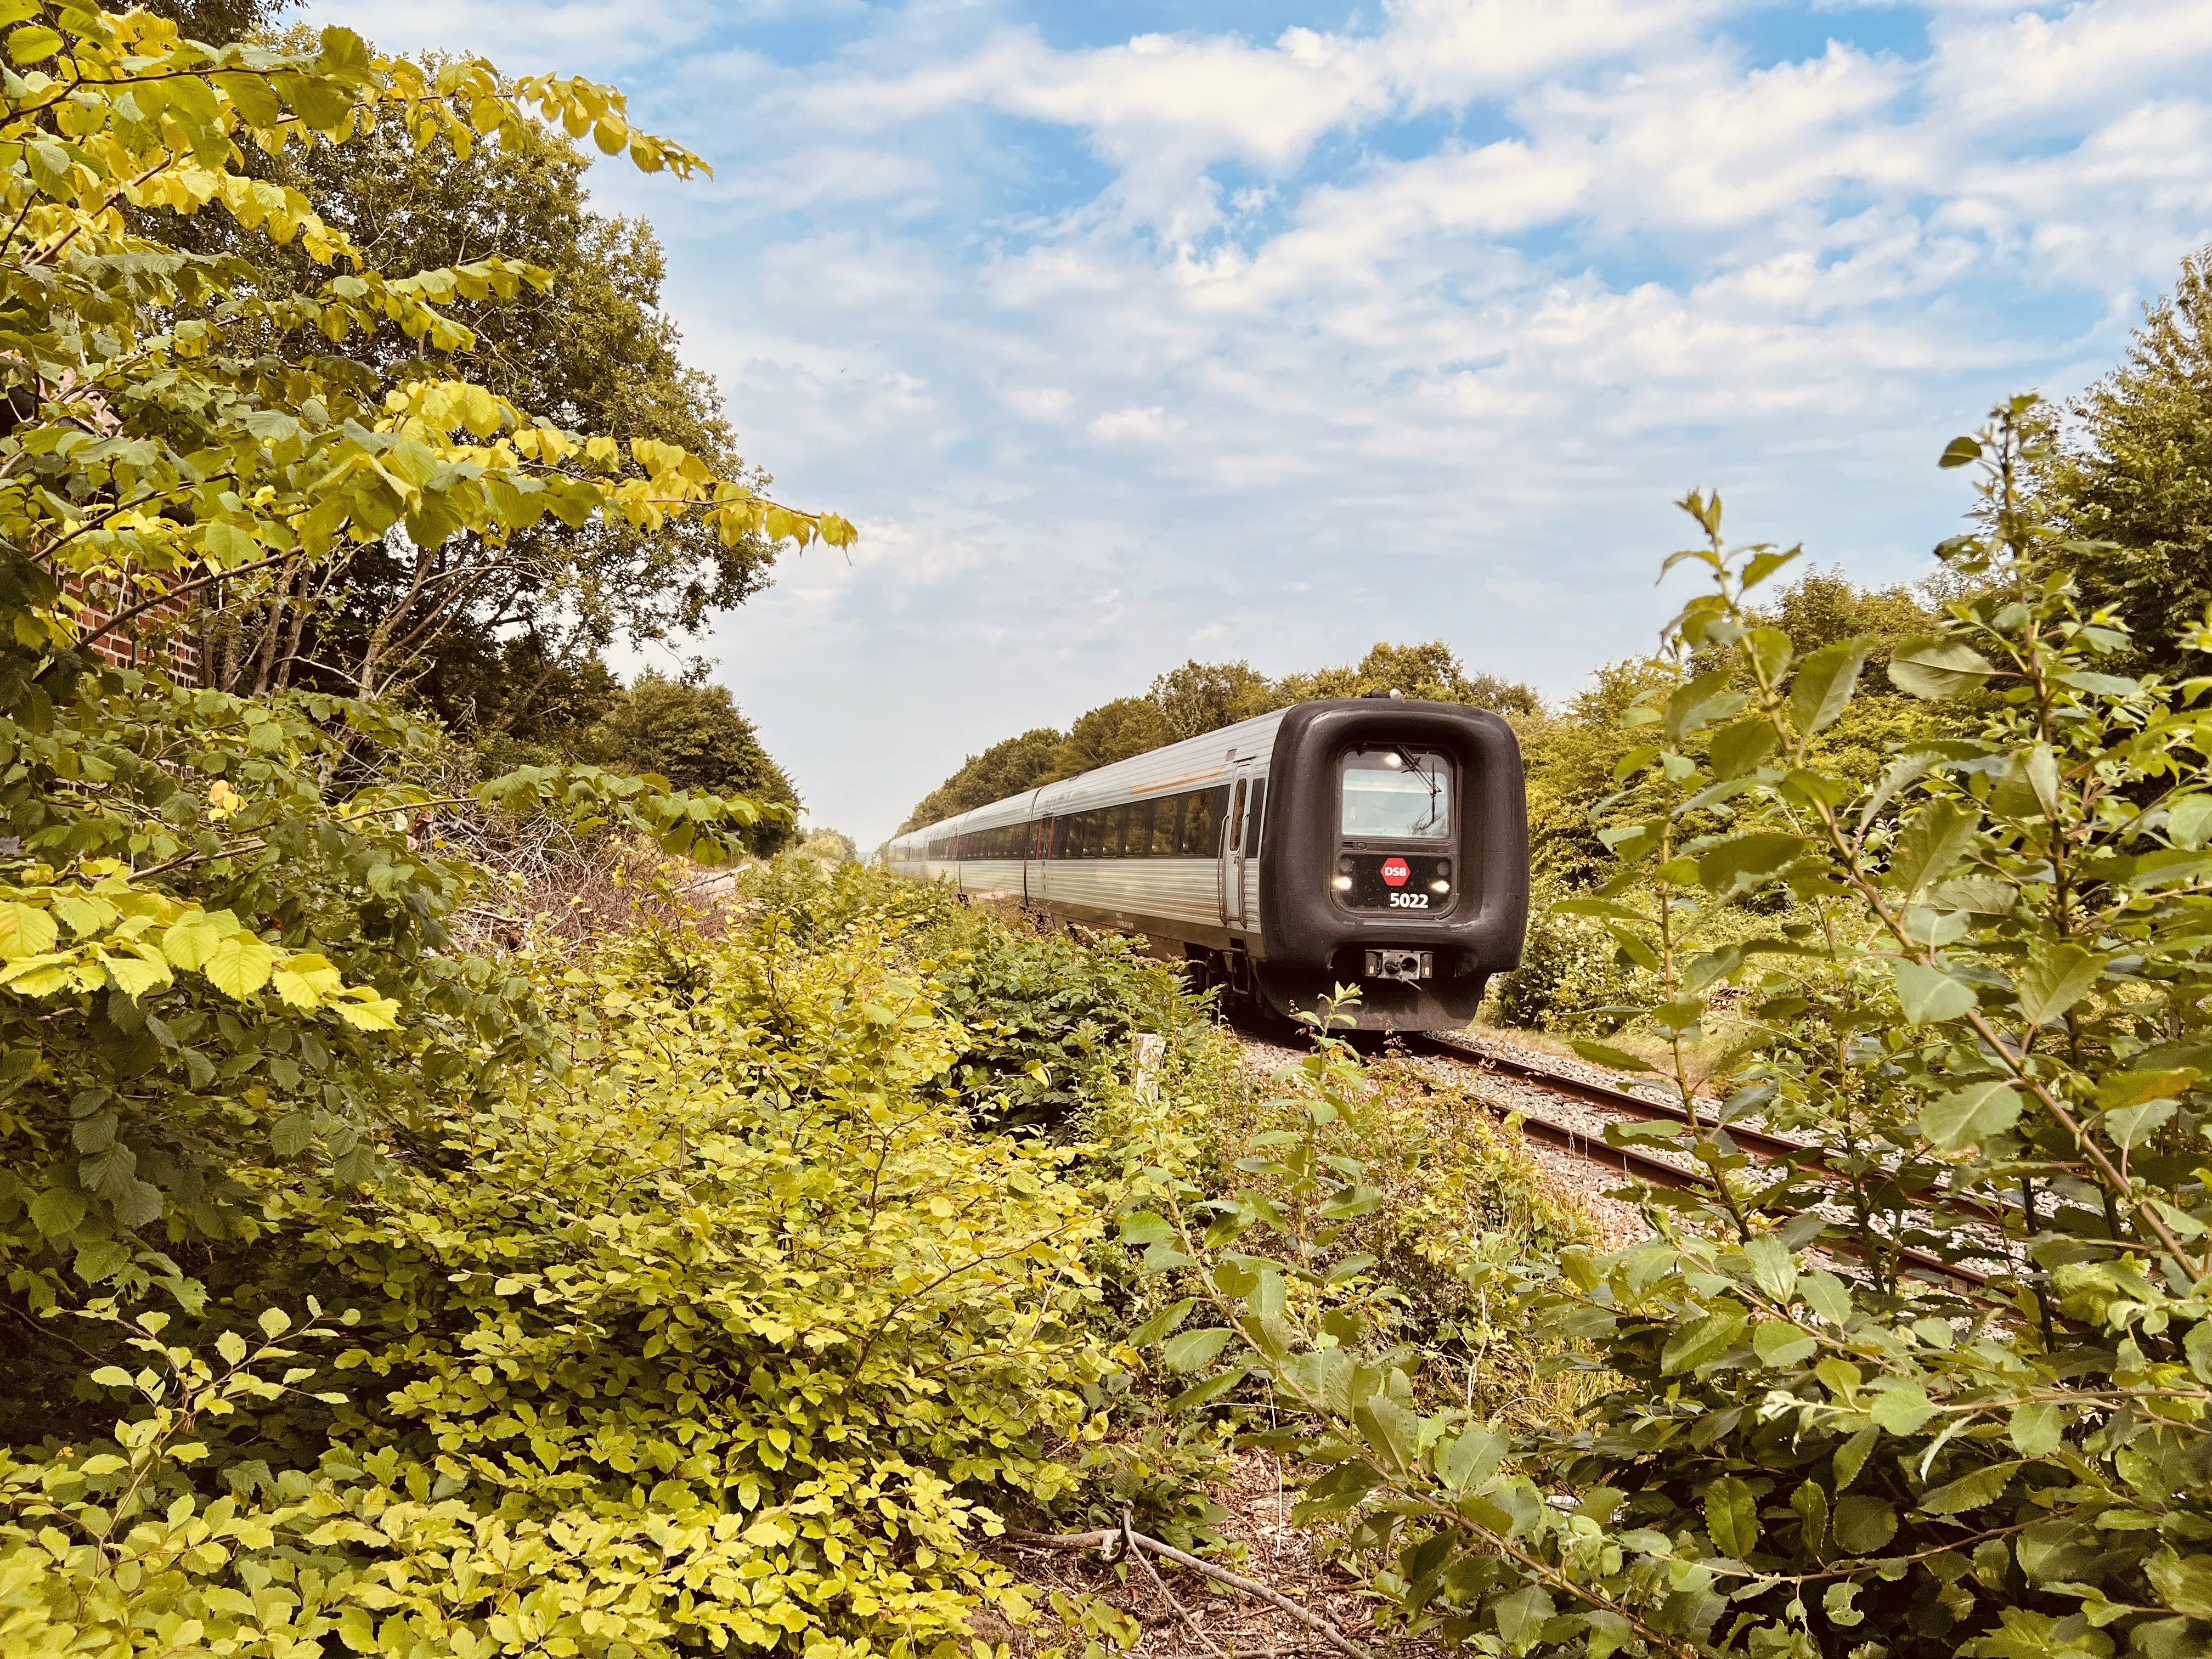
[(1092, 1541), (1129, 1547)]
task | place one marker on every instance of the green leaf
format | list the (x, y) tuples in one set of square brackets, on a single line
[(274, 1322), (1145, 1228), (2180, 1222), (231, 1346), (1965, 1116), (1824, 682), (2188, 819), (1836, 1605), (2038, 1427), (1206, 1392), (1970, 1491), (1161, 1323), (240, 965), (1902, 1409), (2197, 1348), (1190, 1349), (1810, 1501), (1597, 906), (1469, 1459), (1732, 1517), (1911, 765), (1773, 1266), (57, 1211), (1936, 839), (101, 1261), (1850, 1456), (1390, 1430), (1778, 1343), (1521, 1617), (2184, 1583), (1932, 665), (33, 44), (1634, 946), (290, 1134), (1748, 861), (1603, 1054), (1863, 1524), (1703, 1340), (25, 931), (1698, 703), (2055, 980), (2133, 1124), (1738, 748), (1930, 996), (1827, 1295), (1961, 452)]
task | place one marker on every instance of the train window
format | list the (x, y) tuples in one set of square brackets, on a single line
[(1393, 792), (1252, 813), (1201, 822), (1137, 835), (1115, 820), (1236, 815), (1167, 826)]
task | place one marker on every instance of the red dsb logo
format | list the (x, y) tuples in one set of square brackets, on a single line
[(1395, 872)]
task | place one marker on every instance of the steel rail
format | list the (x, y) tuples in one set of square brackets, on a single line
[(1760, 1143), (1641, 1165)]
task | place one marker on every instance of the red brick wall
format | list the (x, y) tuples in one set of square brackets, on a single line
[(156, 638)]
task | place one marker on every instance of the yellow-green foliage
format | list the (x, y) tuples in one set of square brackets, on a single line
[(724, 1337), (1446, 1187)]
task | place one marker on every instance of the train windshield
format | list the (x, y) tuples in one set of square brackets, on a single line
[(1392, 793)]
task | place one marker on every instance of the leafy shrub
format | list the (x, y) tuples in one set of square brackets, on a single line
[(1993, 1035), (725, 1327), (1569, 968)]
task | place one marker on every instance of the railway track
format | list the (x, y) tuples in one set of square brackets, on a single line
[(1640, 1164)]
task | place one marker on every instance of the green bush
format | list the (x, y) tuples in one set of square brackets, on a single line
[(724, 1330), (1992, 1030), (1569, 968)]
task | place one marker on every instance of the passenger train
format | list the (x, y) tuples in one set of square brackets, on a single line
[(1376, 842)]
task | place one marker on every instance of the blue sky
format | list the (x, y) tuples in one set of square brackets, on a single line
[(1134, 332)]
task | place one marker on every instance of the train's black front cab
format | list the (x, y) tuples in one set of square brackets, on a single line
[(1396, 860)]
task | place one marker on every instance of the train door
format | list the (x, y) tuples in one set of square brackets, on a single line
[(1231, 875)]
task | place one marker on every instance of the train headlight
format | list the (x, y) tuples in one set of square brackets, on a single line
[(1440, 887), (1342, 884)]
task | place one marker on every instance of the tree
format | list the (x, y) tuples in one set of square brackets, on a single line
[(1112, 731), (2135, 472), (830, 845), (1199, 697), (225, 922), (589, 345), (1431, 671), (1005, 768), (1202, 697), (694, 736), (220, 23)]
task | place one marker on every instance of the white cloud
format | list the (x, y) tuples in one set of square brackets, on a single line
[(1126, 423)]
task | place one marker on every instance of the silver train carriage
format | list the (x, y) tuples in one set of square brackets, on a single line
[(1371, 840)]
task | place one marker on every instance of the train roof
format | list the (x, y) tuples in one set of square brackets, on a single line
[(1192, 763)]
